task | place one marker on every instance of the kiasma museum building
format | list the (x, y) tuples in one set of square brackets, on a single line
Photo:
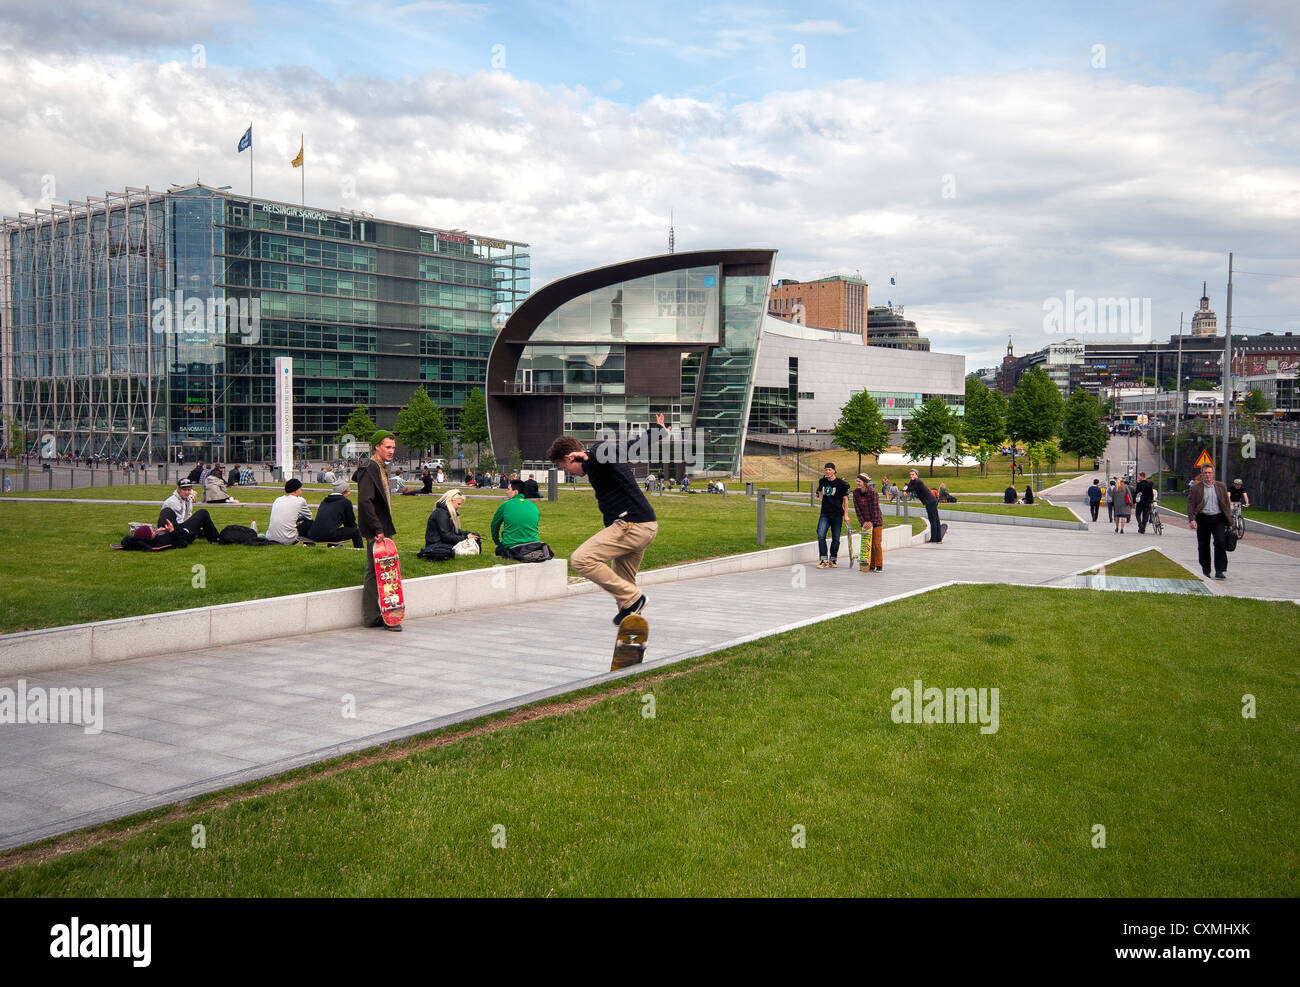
[(687, 335)]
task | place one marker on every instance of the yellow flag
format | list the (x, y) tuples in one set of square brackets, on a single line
[(297, 162)]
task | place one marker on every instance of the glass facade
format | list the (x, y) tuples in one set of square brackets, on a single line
[(144, 324), (680, 343), (675, 307)]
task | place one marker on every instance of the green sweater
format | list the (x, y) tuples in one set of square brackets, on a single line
[(520, 517)]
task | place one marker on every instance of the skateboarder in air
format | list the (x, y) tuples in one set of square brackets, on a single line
[(611, 557)]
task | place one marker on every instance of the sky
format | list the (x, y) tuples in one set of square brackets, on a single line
[(995, 159)]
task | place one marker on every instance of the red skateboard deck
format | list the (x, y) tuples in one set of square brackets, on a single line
[(388, 576)]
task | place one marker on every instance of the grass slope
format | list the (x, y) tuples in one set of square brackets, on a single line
[(795, 731), (1150, 564), (77, 578)]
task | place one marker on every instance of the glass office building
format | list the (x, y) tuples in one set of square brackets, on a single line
[(147, 324), (674, 334)]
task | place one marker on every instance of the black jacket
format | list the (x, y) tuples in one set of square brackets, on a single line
[(440, 529), (918, 489), (335, 513)]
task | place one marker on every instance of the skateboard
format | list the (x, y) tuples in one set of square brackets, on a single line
[(388, 576), (629, 648)]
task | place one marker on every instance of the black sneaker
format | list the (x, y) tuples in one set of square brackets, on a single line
[(627, 611), (1220, 575)]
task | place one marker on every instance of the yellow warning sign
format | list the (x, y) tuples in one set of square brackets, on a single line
[(1203, 460)]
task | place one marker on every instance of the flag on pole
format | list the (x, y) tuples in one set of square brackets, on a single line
[(246, 141), (891, 281), (297, 162)]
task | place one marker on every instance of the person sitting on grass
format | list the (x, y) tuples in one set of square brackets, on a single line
[(444, 523), (178, 511), (214, 488), (1029, 494), (290, 515), (335, 519), (1010, 495), (516, 520)]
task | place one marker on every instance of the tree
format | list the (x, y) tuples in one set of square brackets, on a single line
[(420, 425), (984, 413), (984, 453), (359, 426), (1035, 409), (473, 421), (516, 459), (931, 432), (1082, 432), (1201, 385), (953, 452), (861, 428), (1255, 404), (1051, 453)]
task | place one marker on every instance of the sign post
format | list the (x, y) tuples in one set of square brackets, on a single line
[(284, 415)]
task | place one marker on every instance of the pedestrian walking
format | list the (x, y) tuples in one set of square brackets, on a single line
[(1207, 513), (1123, 505), (1094, 497), (1110, 500), (1144, 495)]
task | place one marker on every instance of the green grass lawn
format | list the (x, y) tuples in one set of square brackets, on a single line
[(1282, 519), (1038, 509), (1151, 564), (78, 578), (1141, 732)]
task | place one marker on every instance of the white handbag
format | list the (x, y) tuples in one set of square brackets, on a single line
[(466, 546)]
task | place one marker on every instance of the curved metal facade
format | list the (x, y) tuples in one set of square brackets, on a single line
[(675, 334)]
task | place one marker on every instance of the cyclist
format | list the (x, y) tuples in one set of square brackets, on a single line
[(1240, 500), (1237, 493)]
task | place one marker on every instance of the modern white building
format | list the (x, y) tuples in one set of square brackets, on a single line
[(804, 376)]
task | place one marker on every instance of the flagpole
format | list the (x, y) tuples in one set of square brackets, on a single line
[(301, 149), (250, 174)]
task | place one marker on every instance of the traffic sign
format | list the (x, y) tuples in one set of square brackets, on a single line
[(1203, 460)]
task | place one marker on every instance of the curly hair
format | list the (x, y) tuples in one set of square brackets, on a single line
[(562, 446)]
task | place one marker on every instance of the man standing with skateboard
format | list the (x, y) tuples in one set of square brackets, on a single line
[(611, 557), (375, 520)]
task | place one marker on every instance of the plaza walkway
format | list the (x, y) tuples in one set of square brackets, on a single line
[(195, 722)]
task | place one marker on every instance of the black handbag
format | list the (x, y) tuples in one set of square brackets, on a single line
[(1230, 541)]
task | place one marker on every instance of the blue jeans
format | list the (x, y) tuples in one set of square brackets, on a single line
[(834, 524)]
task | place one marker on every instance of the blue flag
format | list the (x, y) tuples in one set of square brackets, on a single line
[(246, 141), (250, 140)]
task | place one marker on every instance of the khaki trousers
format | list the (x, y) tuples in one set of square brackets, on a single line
[(622, 546), (877, 553)]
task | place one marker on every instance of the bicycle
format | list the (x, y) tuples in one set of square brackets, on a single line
[(1238, 521), (1156, 524)]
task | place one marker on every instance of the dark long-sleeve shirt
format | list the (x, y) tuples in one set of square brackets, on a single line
[(335, 513), (617, 494), (372, 501), (918, 489)]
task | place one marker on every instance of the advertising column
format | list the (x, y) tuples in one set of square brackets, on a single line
[(284, 415)]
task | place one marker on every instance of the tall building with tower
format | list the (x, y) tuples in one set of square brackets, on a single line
[(1204, 321)]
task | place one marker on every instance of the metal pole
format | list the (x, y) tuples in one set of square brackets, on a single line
[(762, 515)]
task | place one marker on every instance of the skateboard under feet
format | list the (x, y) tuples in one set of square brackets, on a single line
[(388, 576), (629, 647)]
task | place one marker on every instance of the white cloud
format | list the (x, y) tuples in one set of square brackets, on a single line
[(1061, 181)]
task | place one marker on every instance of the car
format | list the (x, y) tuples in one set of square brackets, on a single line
[(434, 464)]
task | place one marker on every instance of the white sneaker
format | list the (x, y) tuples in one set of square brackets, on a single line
[(254, 527)]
